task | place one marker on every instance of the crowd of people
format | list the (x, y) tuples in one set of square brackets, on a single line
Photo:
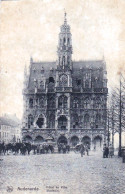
[(108, 151), (26, 148), (84, 149)]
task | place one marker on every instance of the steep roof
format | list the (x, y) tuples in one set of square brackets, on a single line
[(37, 67), (89, 64)]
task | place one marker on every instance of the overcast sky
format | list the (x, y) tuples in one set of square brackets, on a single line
[(31, 27)]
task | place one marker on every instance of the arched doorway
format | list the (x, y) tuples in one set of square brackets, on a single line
[(74, 141), (62, 139), (39, 139), (86, 141), (97, 143), (28, 139)]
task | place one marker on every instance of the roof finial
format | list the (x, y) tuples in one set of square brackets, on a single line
[(65, 20)]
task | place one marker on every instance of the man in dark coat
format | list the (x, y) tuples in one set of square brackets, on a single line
[(105, 151), (82, 150)]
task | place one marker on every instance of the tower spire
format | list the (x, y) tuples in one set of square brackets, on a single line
[(65, 19), (65, 45)]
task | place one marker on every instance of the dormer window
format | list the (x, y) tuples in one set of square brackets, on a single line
[(51, 80)]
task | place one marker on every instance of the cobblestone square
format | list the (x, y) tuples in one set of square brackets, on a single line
[(62, 173)]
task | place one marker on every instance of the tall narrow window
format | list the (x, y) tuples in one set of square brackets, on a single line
[(75, 121), (68, 41), (52, 121), (63, 61), (64, 40), (98, 120), (76, 103), (86, 120), (30, 103), (41, 85), (62, 101), (86, 103), (41, 102), (51, 84), (51, 102), (30, 121), (97, 103), (87, 84), (68, 60), (62, 122), (40, 121)]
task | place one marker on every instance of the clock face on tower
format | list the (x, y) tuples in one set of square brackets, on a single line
[(63, 80)]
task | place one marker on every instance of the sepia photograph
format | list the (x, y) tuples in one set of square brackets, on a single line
[(62, 96)]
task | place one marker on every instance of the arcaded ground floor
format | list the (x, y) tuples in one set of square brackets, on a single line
[(94, 141), (62, 173)]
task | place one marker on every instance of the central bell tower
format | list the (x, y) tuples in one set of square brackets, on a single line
[(64, 48), (63, 84)]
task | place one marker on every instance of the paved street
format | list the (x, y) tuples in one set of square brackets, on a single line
[(62, 173)]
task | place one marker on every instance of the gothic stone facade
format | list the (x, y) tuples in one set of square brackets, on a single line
[(65, 101)]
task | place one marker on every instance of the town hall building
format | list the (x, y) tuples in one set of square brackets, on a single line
[(65, 101)]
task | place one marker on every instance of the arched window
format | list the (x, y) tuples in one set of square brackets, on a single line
[(86, 103), (51, 84), (87, 84), (62, 101), (51, 80), (51, 102), (76, 103), (75, 121), (64, 40), (41, 102), (40, 121), (30, 120), (62, 122), (68, 60), (98, 118), (30, 103), (97, 103), (63, 80), (87, 120), (78, 82), (63, 61), (52, 121), (41, 84)]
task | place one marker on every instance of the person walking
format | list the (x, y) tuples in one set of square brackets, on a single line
[(111, 151), (105, 151), (104, 148), (87, 149), (82, 150)]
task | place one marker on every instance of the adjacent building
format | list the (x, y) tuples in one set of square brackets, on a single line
[(65, 101), (10, 129)]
